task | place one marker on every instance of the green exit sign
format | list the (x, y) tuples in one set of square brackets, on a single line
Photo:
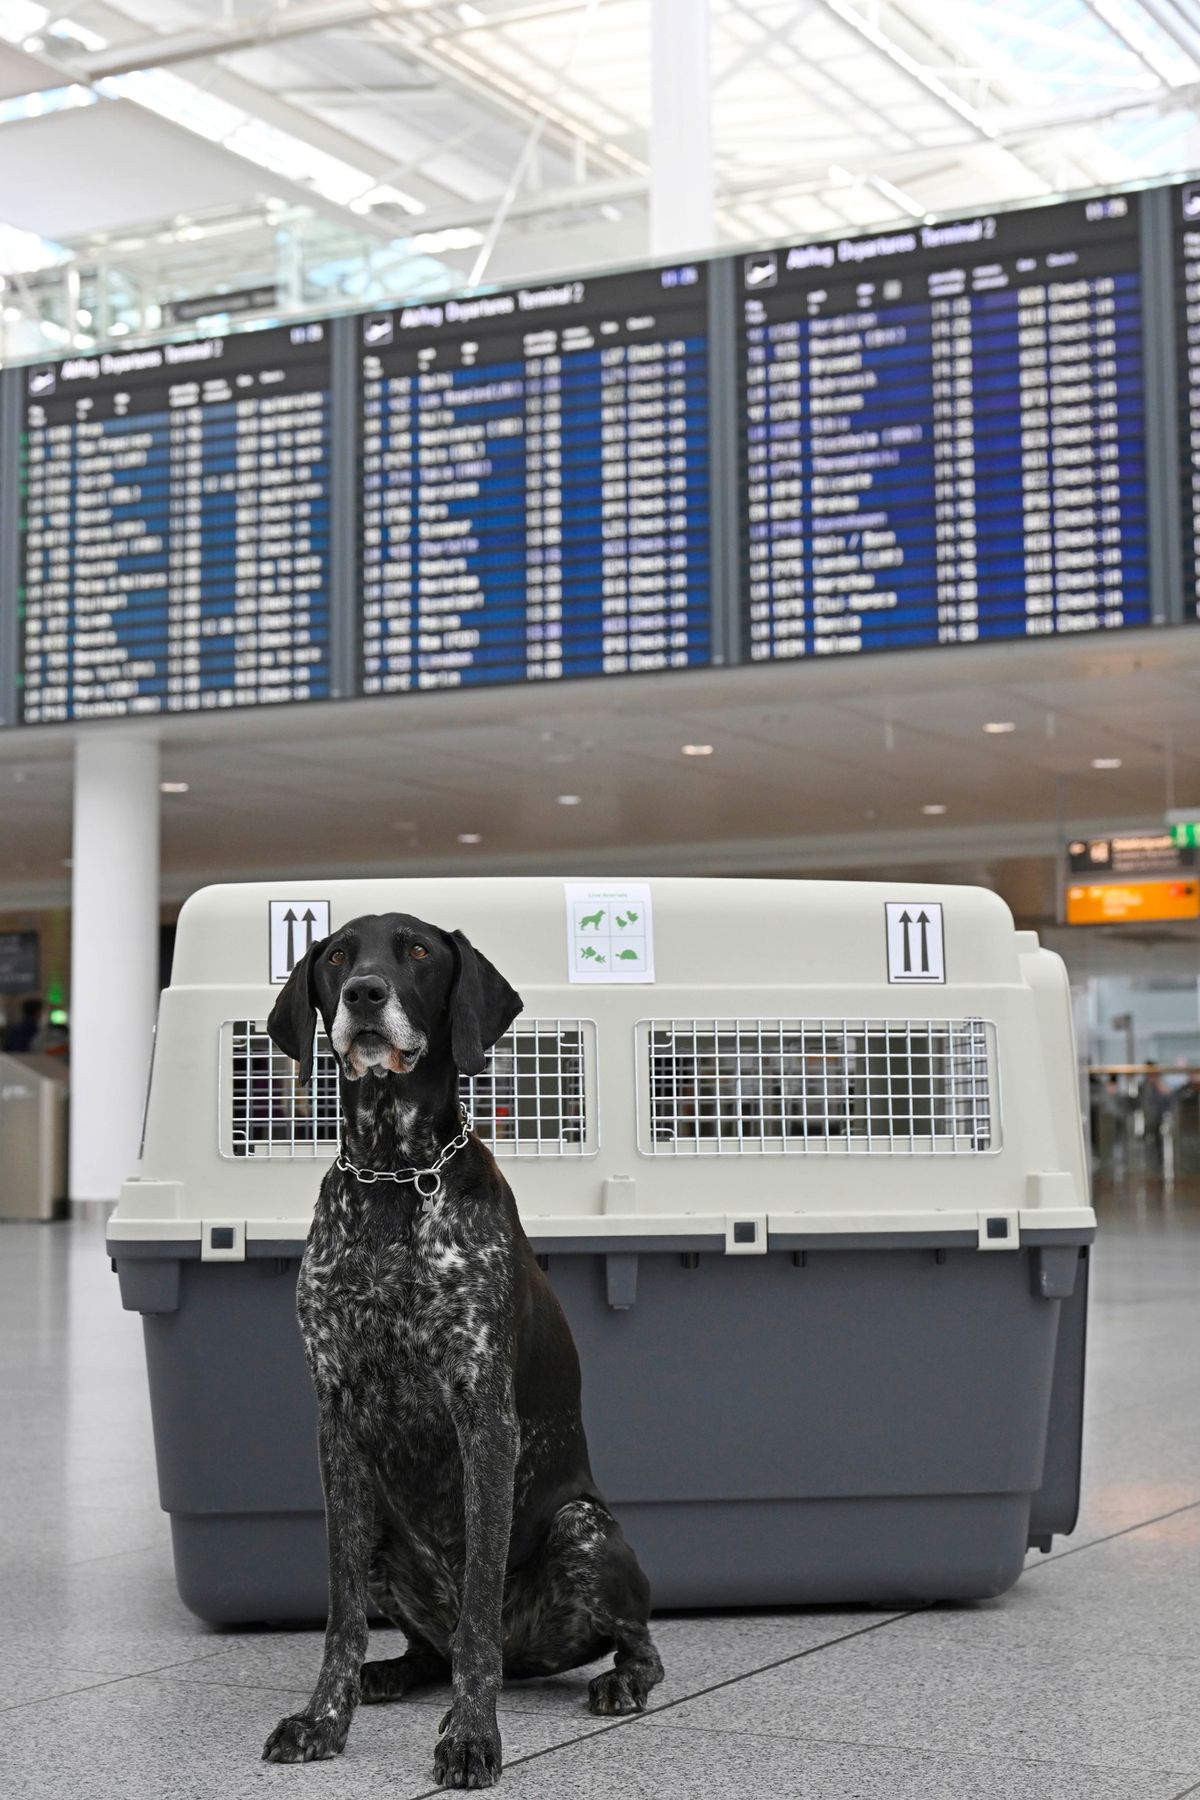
[(1186, 836)]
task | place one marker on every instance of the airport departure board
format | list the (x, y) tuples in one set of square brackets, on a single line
[(175, 545), (942, 433), (534, 483), (1186, 224)]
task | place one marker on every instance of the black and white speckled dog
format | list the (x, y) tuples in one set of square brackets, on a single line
[(458, 1495)]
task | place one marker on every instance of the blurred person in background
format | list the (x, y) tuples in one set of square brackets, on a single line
[(25, 1035), (1154, 1100)]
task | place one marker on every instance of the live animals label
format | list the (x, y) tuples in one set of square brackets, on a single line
[(609, 931)]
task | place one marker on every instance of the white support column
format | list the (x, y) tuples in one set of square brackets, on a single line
[(114, 955), (681, 161)]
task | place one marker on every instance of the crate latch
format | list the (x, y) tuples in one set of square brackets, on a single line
[(223, 1240), (999, 1230), (746, 1234)]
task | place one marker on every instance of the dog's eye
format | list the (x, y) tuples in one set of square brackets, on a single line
[(337, 956), (418, 950)]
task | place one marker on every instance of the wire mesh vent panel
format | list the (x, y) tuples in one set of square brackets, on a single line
[(532, 1099), (720, 1086)]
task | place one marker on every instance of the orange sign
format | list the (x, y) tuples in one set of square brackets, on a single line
[(1124, 902)]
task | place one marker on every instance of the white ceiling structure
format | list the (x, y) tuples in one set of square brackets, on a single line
[(350, 150), (958, 765)]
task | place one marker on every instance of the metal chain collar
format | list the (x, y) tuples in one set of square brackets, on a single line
[(416, 1176)]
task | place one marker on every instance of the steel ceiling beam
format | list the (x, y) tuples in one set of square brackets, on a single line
[(213, 78), (165, 50), (499, 94)]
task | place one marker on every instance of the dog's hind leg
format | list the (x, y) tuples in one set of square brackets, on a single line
[(395, 1676), (637, 1667), (391, 1588), (588, 1595)]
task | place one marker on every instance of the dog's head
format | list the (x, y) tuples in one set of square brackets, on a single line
[(390, 990)]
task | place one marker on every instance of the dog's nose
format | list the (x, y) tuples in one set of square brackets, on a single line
[(366, 991)]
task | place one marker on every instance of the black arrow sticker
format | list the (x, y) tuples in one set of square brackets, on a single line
[(915, 950), (290, 921), (310, 919)]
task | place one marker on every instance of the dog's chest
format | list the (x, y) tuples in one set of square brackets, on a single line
[(410, 1310)]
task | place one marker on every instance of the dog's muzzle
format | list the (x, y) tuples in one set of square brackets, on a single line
[(372, 1054), (387, 1043)]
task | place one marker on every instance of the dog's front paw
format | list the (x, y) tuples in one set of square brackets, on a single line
[(301, 1739), (467, 1753)]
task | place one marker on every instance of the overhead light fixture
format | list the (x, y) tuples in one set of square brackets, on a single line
[(997, 727), (470, 837), (1106, 762), (933, 811), (454, 237), (470, 15), (570, 799), (174, 787), (696, 749), (898, 197)]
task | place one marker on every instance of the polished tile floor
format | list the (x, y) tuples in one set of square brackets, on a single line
[(1083, 1683)]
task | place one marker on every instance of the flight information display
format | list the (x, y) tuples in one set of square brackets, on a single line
[(534, 483), (1187, 312), (175, 546), (942, 433)]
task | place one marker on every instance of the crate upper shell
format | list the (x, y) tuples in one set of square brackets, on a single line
[(821, 1237), (770, 1071)]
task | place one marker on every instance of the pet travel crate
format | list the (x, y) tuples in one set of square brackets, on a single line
[(805, 1165)]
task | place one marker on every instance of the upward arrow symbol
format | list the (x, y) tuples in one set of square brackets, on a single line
[(290, 921), (923, 922), (906, 921), (310, 919)]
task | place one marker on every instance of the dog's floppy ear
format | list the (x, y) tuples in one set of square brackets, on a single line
[(292, 1025), (482, 1006)]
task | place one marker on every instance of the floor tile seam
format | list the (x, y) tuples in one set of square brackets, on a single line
[(88, 1562), (684, 1699), (939, 1751), (935, 1753), (406, 1704), (90, 1687), (547, 1712), (1058, 1556)]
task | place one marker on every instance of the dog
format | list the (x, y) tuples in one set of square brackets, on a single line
[(458, 1494)]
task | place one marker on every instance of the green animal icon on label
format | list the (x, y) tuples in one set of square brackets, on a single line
[(627, 955), (590, 955), (593, 919), (630, 918)]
